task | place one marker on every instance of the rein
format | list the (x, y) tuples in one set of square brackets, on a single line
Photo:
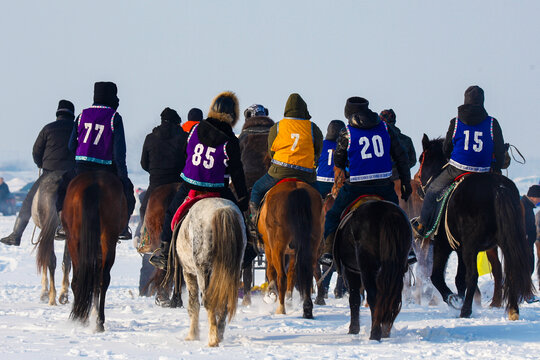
[(34, 231)]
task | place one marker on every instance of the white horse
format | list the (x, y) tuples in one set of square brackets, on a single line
[(210, 245)]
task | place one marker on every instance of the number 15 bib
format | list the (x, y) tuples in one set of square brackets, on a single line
[(95, 135)]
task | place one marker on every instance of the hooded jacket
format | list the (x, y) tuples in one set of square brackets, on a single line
[(163, 153)]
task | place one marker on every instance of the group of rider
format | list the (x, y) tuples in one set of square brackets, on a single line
[(204, 155)]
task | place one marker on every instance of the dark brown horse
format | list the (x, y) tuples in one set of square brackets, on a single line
[(483, 212), (291, 227), (94, 214), (371, 248), (158, 203)]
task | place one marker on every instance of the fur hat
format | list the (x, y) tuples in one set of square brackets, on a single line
[(225, 108), (195, 114), (388, 116), (170, 115), (65, 107), (534, 191), (296, 107), (474, 95), (355, 105), (105, 94)]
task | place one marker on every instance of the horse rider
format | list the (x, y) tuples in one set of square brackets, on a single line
[(367, 146), (163, 156), (99, 143), (474, 143), (51, 154), (389, 117), (529, 202), (295, 144), (212, 157), (325, 168), (194, 117)]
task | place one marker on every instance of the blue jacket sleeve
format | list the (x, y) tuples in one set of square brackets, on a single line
[(73, 141), (119, 146)]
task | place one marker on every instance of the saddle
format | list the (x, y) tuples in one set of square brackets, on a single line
[(191, 199), (442, 201)]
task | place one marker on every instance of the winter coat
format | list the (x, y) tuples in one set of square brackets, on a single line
[(367, 120), (281, 172), (163, 154), (51, 151), (254, 147), (474, 114), (4, 191)]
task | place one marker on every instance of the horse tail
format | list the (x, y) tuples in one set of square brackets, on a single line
[(511, 239), (87, 274), (394, 244), (228, 249), (45, 247), (301, 222)]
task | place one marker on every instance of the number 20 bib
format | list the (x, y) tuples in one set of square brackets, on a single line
[(205, 165), (369, 153), (95, 135)]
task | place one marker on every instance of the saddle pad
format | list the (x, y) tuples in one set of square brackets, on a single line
[(191, 199), (359, 201), (287, 180)]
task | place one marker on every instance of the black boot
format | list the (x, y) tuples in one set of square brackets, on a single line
[(160, 257), (60, 233), (15, 237), (327, 258), (251, 223), (411, 259)]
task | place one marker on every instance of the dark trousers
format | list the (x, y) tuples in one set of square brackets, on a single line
[(261, 187), (445, 178), (26, 208), (324, 188), (348, 193)]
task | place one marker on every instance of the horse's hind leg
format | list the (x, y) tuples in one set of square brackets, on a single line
[(441, 252), (291, 277), (469, 259), (368, 279), (281, 284), (52, 286), (354, 300), (44, 284), (176, 298), (66, 268), (496, 270), (105, 281), (221, 322), (193, 305), (319, 300), (247, 277)]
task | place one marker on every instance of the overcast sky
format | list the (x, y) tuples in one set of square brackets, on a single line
[(416, 57)]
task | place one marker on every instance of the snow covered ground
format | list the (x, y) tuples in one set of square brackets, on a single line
[(135, 328)]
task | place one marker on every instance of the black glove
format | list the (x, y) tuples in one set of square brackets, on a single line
[(406, 190), (243, 204)]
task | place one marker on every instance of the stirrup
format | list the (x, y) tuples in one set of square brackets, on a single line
[(326, 259), (60, 233), (158, 259), (125, 234)]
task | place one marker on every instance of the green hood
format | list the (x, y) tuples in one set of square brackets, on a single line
[(296, 107)]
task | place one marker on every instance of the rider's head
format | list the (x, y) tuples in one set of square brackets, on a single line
[(255, 110), (225, 108), (388, 116), (335, 126), (171, 116), (474, 95), (65, 109), (296, 107), (105, 94)]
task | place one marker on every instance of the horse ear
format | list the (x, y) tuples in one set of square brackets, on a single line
[(425, 142)]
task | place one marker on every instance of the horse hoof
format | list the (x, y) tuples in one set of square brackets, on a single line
[(308, 315), (354, 329), (455, 301), (213, 344), (495, 304), (465, 314), (100, 328), (246, 301), (513, 315), (52, 302), (44, 297), (280, 310), (176, 302), (320, 301), (63, 299)]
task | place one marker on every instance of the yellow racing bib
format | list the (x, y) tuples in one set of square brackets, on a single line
[(293, 146)]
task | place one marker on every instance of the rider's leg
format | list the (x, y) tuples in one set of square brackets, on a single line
[(23, 217), (161, 255), (127, 186), (260, 188)]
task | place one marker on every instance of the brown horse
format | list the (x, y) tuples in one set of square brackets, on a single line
[(158, 203), (291, 227), (94, 214)]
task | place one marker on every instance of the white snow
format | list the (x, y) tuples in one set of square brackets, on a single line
[(135, 328)]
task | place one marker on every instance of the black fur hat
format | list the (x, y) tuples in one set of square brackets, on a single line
[(355, 105), (534, 191), (474, 95), (195, 114), (65, 107), (335, 126), (105, 94), (170, 115), (225, 108)]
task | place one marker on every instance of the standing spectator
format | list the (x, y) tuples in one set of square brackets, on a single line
[(194, 117)]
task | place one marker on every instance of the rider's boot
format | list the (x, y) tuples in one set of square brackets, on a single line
[(125, 234), (15, 237), (411, 259), (160, 257), (418, 228), (251, 223), (327, 258), (60, 233)]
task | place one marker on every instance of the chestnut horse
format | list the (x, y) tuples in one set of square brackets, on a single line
[(210, 245), (291, 227), (46, 218), (484, 211), (94, 214), (158, 203)]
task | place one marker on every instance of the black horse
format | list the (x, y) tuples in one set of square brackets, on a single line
[(371, 249), (483, 212)]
